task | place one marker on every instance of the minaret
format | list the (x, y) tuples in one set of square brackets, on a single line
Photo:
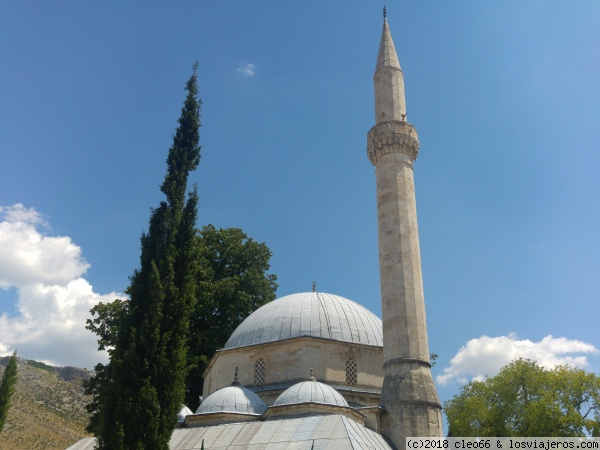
[(408, 395)]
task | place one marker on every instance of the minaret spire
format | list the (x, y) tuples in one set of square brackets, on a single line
[(388, 80), (408, 394)]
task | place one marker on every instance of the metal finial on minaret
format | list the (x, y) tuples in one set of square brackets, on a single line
[(314, 286), (384, 13)]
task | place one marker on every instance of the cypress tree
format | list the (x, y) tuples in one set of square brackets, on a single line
[(142, 388), (7, 387)]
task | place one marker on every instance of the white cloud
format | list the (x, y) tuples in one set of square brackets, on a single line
[(18, 213), (53, 298), (28, 256), (485, 356), (248, 70)]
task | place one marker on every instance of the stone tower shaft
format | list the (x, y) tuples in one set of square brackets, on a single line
[(408, 394)]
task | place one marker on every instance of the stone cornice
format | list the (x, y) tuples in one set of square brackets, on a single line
[(213, 418), (310, 408), (431, 404), (406, 360), (392, 137)]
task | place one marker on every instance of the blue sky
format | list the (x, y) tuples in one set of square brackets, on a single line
[(505, 97)]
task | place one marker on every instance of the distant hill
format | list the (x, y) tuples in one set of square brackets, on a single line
[(48, 407)]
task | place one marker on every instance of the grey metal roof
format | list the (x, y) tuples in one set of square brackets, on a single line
[(326, 432), (310, 391), (88, 443), (233, 399), (309, 314)]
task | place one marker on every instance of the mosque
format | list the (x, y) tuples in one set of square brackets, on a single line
[(319, 371)]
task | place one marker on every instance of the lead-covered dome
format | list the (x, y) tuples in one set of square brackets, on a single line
[(310, 392), (183, 413), (314, 314), (233, 399)]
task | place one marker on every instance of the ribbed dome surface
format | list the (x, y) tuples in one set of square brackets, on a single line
[(233, 399), (310, 391), (183, 413), (309, 314)]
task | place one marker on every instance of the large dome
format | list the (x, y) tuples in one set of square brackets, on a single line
[(309, 314)]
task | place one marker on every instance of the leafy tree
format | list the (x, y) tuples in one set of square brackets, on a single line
[(526, 400), (233, 283), (433, 358), (7, 387), (108, 320), (137, 396)]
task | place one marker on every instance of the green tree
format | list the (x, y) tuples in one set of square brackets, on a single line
[(526, 400), (107, 321), (138, 394), (233, 283), (7, 387)]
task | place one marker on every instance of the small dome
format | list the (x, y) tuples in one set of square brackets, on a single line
[(185, 411), (233, 399), (309, 314), (310, 391)]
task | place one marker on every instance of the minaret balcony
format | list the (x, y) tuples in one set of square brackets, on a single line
[(394, 136)]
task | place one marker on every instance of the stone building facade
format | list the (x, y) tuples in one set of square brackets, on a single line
[(313, 330)]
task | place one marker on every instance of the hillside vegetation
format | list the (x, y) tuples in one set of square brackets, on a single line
[(48, 407)]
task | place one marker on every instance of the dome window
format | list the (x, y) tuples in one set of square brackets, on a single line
[(259, 372), (351, 371)]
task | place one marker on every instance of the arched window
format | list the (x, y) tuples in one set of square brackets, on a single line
[(259, 372), (351, 371)]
